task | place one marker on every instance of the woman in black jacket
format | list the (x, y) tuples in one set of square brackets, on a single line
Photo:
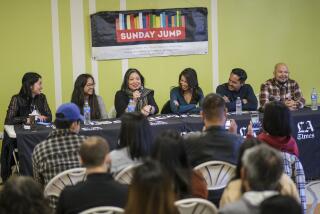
[(27, 100), (133, 96)]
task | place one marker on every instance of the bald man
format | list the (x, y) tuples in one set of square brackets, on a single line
[(281, 88)]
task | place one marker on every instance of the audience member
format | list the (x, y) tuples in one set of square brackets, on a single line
[(277, 129), (215, 142), (260, 174), (135, 141), (188, 96), (170, 152), (133, 89), (59, 151), (22, 195), (280, 204), (234, 190), (282, 88), (235, 88), (99, 189), (151, 191), (83, 91)]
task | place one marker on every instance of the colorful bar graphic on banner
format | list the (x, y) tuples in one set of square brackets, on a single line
[(147, 33), (137, 27)]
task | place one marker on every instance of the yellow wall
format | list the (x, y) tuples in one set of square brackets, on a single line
[(253, 35)]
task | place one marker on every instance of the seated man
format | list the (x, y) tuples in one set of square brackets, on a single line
[(99, 189), (59, 151), (215, 143), (236, 87), (281, 88), (260, 174)]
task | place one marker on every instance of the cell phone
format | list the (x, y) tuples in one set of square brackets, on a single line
[(255, 122), (227, 125)]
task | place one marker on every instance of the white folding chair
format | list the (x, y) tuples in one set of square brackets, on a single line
[(195, 206), (103, 210), (65, 178), (126, 174), (216, 173), (313, 196)]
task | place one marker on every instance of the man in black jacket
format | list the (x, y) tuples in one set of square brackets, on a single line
[(215, 142), (99, 189)]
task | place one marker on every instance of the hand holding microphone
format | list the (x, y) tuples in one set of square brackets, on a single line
[(136, 95)]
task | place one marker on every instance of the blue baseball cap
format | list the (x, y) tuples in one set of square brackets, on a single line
[(68, 112)]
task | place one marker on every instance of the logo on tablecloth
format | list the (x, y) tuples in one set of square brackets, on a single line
[(305, 130)]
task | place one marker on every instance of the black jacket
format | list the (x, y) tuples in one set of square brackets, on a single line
[(20, 108), (121, 102), (216, 143), (98, 190)]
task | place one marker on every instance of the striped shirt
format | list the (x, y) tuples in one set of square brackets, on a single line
[(272, 90)]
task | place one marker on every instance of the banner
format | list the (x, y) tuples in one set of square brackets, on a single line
[(147, 33)]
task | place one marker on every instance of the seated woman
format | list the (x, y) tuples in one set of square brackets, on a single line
[(84, 91), (135, 141), (277, 129), (151, 191), (133, 96), (27, 100), (188, 96), (169, 150), (234, 189)]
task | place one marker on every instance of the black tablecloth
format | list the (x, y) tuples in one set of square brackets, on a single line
[(306, 130)]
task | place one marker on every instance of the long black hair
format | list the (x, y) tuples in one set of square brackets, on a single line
[(78, 96), (136, 134), (277, 119), (125, 81), (191, 76), (170, 151), (28, 80)]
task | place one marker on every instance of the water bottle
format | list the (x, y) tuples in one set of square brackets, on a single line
[(238, 106), (131, 106), (86, 113), (314, 100)]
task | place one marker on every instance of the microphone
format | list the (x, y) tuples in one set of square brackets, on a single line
[(140, 91)]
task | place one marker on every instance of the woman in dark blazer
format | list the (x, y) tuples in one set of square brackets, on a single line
[(133, 96)]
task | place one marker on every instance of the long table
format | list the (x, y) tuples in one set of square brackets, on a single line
[(306, 130)]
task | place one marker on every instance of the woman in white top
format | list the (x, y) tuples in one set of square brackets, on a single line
[(135, 141), (84, 91)]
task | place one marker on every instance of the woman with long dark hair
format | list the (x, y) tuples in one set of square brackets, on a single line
[(170, 151), (135, 141), (134, 95), (151, 191), (84, 91), (187, 97), (277, 128), (27, 100)]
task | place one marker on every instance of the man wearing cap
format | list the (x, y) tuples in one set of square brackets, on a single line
[(60, 151)]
